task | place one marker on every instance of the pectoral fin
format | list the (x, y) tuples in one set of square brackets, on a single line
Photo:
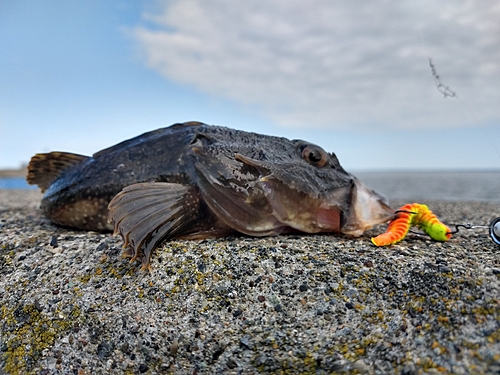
[(146, 213)]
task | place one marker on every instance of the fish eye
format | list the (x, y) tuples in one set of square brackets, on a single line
[(314, 155)]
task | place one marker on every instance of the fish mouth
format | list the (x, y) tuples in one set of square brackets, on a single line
[(349, 210), (367, 208)]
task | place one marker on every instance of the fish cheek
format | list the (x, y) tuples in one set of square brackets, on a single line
[(237, 204), (300, 210), (89, 214)]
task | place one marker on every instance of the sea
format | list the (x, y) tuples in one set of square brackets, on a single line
[(15, 183), (401, 185), (435, 185)]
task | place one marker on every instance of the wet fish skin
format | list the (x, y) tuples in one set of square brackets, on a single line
[(194, 180), (79, 195)]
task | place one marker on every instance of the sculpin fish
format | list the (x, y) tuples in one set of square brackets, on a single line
[(196, 181)]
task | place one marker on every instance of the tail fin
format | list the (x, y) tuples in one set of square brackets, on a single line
[(43, 169)]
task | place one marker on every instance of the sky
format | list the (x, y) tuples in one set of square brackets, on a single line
[(351, 76)]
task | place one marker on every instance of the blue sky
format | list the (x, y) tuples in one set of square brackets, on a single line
[(353, 77)]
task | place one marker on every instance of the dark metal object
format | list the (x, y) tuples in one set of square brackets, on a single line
[(494, 229)]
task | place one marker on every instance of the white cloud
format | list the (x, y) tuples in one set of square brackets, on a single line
[(339, 64)]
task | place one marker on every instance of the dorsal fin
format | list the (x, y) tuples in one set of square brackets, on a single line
[(43, 169), (144, 138)]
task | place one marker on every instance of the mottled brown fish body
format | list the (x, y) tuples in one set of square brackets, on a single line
[(79, 188), (194, 180)]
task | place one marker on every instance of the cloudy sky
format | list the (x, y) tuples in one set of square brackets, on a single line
[(351, 76)]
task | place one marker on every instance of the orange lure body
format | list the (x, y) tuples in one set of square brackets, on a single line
[(408, 215)]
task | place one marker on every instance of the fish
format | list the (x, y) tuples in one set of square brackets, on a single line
[(194, 181)]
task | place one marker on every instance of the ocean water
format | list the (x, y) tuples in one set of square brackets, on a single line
[(15, 183), (409, 186), (444, 185)]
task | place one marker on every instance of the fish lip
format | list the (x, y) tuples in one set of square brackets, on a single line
[(368, 208)]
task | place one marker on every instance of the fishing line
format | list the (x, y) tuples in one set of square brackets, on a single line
[(493, 228), (417, 214), (447, 92)]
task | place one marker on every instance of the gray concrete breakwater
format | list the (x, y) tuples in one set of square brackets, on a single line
[(318, 304)]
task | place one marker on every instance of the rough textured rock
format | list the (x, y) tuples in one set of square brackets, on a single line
[(313, 304)]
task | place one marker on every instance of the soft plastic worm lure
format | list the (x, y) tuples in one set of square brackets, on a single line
[(397, 229), (413, 214)]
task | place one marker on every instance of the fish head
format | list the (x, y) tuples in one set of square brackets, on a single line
[(291, 184), (315, 194)]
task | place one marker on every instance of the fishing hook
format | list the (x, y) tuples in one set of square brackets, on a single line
[(405, 211), (494, 229)]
